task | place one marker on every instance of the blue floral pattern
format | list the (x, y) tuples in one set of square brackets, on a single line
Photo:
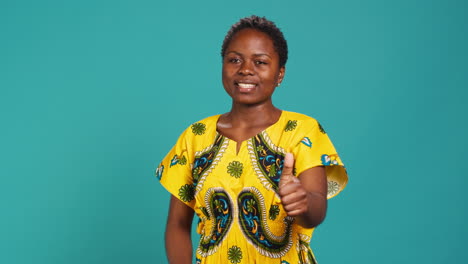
[(219, 208), (252, 219)]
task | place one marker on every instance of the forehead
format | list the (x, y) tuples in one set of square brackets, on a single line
[(251, 40)]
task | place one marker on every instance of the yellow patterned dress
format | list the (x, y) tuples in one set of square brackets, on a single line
[(235, 194)]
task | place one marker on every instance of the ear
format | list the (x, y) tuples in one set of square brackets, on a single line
[(282, 71)]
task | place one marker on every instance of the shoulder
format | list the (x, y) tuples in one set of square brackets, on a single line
[(302, 120), (201, 126), (200, 129)]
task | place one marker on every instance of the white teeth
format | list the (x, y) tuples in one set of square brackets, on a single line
[(246, 85)]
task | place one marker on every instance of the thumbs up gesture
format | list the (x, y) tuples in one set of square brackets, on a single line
[(293, 194)]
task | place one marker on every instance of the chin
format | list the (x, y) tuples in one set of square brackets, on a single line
[(249, 101)]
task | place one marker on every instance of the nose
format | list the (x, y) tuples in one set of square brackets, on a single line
[(246, 68)]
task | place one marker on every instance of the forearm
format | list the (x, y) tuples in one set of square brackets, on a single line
[(178, 233), (178, 245), (316, 210)]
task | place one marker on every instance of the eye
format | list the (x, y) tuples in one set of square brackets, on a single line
[(234, 60), (260, 62)]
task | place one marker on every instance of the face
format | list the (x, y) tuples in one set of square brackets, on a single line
[(251, 68)]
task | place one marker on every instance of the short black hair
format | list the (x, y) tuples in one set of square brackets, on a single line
[(263, 25)]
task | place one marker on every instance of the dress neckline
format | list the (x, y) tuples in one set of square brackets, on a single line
[(281, 116)]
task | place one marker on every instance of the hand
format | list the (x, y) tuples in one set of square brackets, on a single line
[(293, 194)]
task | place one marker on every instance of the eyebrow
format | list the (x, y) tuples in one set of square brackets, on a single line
[(256, 54)]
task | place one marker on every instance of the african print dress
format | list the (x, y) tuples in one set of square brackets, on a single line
[(235, 194)]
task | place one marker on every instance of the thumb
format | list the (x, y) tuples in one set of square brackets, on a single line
[(287, 173)]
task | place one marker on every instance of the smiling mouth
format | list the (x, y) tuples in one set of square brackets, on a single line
[(245, 87)]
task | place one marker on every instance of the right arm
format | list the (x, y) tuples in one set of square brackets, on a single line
[(178, 232)]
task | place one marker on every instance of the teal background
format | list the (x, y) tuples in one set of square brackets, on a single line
[(94, 93)]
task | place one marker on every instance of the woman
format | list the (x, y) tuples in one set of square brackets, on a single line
[(256, 176)]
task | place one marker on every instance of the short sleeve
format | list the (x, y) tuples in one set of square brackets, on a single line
[(316, 149), (175, 174)]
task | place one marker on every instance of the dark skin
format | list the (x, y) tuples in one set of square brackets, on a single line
[(178, 232), (251, 72)]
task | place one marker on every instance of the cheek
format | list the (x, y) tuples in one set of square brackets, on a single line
[(224, 71), (270, 78), (225, 80), (227, 73), (227, 68), (224, 76)]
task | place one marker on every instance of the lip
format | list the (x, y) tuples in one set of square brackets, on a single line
[(245, 81), (245, 86)]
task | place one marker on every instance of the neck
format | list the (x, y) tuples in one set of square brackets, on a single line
[(242, 115)]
